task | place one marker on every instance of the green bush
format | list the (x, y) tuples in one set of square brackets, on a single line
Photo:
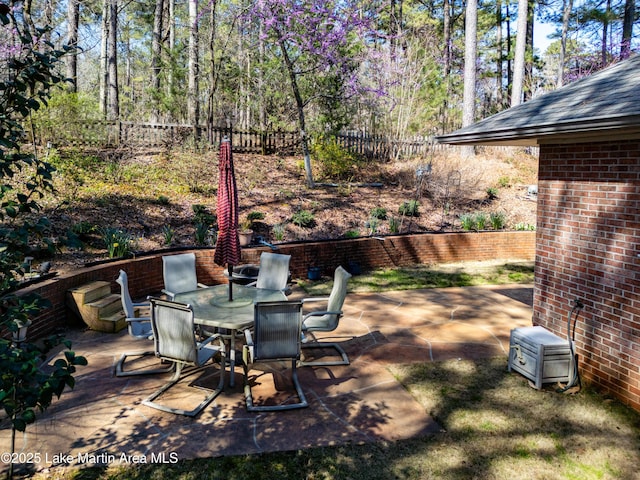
[(497, 220), (525, 226), (168, 233), (334, 160), (351, 234), (255, 215), (394, 225), (481, 221), (379, 212), (304, 219), (468, 222), (118, 242), (492, 193), (409, 209), (279, 232)]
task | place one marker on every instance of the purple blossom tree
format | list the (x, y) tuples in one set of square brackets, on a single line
[(316, 39)]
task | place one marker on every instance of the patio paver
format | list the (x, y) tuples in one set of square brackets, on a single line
[(102, 420)]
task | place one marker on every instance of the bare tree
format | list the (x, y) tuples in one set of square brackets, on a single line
[(470, 59), (193, 92), (104, 75), (499, 56), (627, 28), (113, 103), (521, 46), (156, 51), (73, 20), (566, 15)]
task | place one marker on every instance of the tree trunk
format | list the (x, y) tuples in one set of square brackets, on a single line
[(499, 57), (104, 76), (192, 101), (627, 28), (521, 45), (172, 41), (509, 62), (212, 70), (566, 15), (113, 111), (73, 20), (300, 106), (605, 30), (156, 51), (470, 59)]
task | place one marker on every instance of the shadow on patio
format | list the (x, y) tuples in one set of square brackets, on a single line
[(102, 420)]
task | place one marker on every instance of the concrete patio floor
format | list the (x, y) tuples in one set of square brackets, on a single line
[(103, 421)]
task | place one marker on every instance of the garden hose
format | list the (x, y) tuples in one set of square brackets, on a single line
[(571, 335)]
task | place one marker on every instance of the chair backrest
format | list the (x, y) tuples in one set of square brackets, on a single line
[(274, 271), (173, 331), (179, 272), (336, 298), (127, 303), (277, 330)]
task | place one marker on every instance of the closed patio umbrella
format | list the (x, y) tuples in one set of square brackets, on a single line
[(228, 245)]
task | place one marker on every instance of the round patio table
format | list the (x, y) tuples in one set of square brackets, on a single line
[(212, 308)]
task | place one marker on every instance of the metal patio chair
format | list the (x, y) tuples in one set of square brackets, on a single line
[(274, 272), (326, 320), (179, 273), (276, 337), (175, 341), (138, 326)]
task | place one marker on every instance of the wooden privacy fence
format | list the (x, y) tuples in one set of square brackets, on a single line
[(118, 133), (104, 134)]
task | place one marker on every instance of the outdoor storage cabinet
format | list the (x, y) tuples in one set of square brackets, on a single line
[(540, 355)]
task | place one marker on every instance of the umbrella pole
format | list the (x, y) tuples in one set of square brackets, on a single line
[(230, 267)]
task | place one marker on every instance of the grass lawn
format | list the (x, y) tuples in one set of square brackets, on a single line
[(494, 425)]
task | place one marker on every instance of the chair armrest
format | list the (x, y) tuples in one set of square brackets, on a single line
[(320, 314), (315, 299), (137, 319), (210, 339), (202, 285), (169, 294), (142, 304), (247, 348), (252, 284)]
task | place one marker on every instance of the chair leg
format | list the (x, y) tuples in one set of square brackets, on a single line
[(320, 363), (273, 408), (120, 371), (149, 401)]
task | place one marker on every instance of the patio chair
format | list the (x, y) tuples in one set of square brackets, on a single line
[(274, 272), (138, 326), (327, 320), (276, 337), (179, 273), (175, 341)]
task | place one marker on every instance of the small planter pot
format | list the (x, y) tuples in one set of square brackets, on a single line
[(314, 273), (245, 238)]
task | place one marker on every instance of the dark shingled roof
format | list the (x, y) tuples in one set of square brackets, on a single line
[(605, 105)]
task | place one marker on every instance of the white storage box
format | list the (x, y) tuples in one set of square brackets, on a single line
[(540, 355)]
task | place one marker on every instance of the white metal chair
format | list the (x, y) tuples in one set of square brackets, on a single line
[(274, 272), (276, 336), (175, 341), (327, 320), (138, 326), (179, 273)]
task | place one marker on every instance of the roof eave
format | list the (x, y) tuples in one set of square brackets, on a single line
[(578, 131)]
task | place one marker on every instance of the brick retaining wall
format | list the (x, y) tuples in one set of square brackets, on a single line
[(145, 272)]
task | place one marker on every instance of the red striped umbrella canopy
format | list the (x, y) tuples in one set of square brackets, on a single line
[(228, 245)]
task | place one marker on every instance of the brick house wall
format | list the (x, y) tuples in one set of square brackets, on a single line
[(145, 272), (587, 247)]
